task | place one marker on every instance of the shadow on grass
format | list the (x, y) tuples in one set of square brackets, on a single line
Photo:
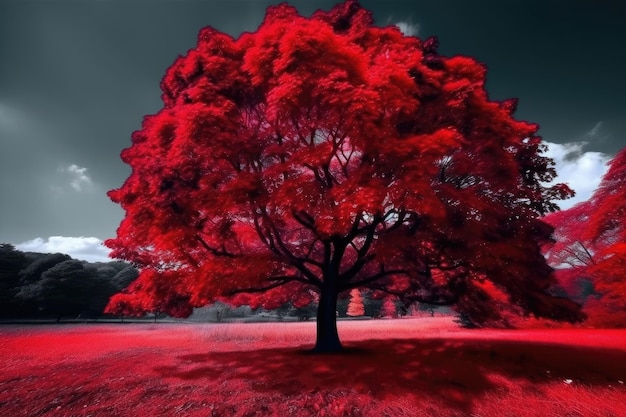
[(452, 371)]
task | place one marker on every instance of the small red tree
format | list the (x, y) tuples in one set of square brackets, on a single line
[(388, 309), (318, 155), (355, 306), (590, 246)]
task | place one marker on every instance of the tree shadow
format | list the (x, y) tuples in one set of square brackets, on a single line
[(454, 372)]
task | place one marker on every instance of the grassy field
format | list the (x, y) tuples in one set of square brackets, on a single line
[(408, 367)]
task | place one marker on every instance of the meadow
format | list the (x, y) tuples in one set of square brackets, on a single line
[(404, 367)]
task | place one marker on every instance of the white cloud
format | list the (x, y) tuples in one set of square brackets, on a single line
[(79, 180), (89, 249), (409, 29), (581, 170)]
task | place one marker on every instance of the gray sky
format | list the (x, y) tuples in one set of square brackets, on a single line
[(77, 76)]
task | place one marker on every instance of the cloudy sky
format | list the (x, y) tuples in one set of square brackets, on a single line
[(77, 76)]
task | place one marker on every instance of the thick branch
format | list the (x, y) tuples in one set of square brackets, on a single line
[(355, 268), (274, 242), (280, 280), (401, 217), (304, 219), (283, 251), (355, 227), (372, 278), (215, 251), (316, 173), (310, 251)]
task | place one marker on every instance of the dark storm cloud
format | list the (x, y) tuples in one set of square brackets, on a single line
[(77, 76)]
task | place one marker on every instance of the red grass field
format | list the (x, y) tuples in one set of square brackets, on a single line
[(409, 367)]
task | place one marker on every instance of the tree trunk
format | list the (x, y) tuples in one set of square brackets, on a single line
[(327, 336)]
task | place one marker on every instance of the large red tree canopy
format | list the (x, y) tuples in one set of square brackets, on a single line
[(321, 154)]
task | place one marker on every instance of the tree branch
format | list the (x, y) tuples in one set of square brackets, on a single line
[(381, 274), (284, 252), (304, 219), (316, 173), (587, 252), (355, 268), (215, 251), (280, 280)]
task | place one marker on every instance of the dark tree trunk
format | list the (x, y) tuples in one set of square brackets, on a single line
[(327, 336)]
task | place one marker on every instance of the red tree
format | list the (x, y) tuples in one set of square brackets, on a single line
[(355, 306), (317, 155), (571, 247), (590, 245), (388, 309)]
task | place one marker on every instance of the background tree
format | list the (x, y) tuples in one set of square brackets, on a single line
[(37, 264), (40, 263), (389, 308), (12, 262), (322, 154), (371, 304), (572, 247), (125, 277), (355, 306), (427, 307), (608, 233), (342, 304), (572, 253), (28, 274), (63, 290), (304, 313), (590, 248), (103, 282)]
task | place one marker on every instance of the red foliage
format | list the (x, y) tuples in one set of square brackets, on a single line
[(355, 306), (590, 241), (326, 153), (388, 309)]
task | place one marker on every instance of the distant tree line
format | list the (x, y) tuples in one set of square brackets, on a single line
[(54, 286), (37, 285)]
